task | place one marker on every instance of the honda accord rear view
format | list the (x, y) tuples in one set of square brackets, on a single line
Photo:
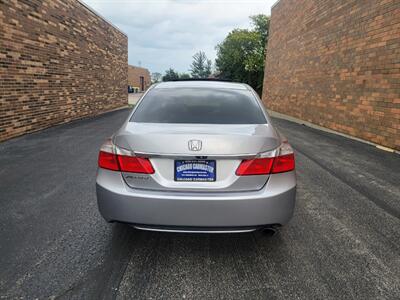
[(197, 156)]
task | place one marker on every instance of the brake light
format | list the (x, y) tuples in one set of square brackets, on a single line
[(258, 166), (135, 164), (284, 163), (108, 161), (279, 161), (110, 158)]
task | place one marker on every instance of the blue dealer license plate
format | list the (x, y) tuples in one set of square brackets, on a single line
[(195, 170)]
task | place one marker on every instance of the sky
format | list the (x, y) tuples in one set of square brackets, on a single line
[(165, 34)]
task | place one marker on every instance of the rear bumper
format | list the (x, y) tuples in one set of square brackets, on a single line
[(274, 204)]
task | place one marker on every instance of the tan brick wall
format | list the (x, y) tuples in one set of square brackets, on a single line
[(337, 64), (134, 74), (59, 61)]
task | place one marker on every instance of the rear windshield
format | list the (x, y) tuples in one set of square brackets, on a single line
[(194, 105)]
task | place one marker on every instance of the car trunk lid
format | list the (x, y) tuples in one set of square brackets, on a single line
[(227, 145)]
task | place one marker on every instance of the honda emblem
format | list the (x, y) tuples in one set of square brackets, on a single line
[(194, 145)]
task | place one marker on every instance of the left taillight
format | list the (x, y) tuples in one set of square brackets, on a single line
[(113, 158), (108, 161), (134, 164)]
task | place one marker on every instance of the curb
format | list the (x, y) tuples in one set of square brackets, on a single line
[(309, 124)]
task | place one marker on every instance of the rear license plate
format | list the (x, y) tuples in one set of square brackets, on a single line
[(195, 170)]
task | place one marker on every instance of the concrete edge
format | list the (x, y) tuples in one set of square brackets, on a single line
[(309, 124), (114, 109), (275, 4), (93, 11), (87, 117)]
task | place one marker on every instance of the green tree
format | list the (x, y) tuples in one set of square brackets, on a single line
[(156, 77), (184, 76), (170, 75), (261, 25), (201, 66), (241, 56)]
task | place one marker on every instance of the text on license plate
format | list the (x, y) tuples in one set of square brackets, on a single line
[(195, 170)]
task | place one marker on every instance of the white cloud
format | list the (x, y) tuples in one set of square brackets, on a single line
[(166, 33)]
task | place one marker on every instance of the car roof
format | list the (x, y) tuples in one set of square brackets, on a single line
[(201, 84)]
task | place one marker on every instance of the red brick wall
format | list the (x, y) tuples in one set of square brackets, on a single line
[(337, 64), (59, 61), (134, 74)]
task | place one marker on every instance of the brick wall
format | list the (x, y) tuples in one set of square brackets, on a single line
[(336, 63), (59, 61), (134, 74)]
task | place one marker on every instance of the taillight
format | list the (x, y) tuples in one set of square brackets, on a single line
[(278, 161), (108, 161), (283, 163), (111, 158), (135, 164), (258, 166)]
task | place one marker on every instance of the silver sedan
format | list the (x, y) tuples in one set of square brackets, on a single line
[(197, 156)]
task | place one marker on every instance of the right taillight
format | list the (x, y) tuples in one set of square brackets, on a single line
[(111, 158), (258, 166), (283, 163), (278, 161)]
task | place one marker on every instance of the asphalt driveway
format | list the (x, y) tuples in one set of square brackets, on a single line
[(343, 242)]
